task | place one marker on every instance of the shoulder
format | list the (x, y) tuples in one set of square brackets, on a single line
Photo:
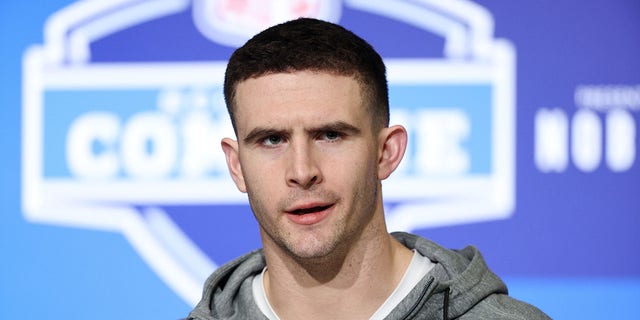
[(502, 306), (473, 290), (227, 292)]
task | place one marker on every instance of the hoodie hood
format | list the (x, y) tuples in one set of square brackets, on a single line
[(461, 278), (227, 293)]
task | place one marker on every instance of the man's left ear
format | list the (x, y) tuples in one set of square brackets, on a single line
[(392, 144)]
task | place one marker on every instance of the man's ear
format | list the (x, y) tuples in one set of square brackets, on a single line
[(392, 144), (230, 148)]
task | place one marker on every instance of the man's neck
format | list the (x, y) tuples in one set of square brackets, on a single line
[(329, 288)]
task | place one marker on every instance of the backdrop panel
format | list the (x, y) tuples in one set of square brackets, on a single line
[(523, 122)]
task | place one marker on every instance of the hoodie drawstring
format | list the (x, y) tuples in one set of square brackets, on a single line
[(445, 304)]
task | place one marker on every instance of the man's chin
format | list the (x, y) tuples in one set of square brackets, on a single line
[(316, 252), (306, 246)]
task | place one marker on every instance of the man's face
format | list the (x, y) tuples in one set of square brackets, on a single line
[(307, 156)]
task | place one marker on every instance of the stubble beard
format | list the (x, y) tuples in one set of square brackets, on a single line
[(327, 243)]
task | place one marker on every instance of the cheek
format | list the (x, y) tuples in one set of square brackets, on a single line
[(258, 177), (262, 196), (353, 166), (262, 178)]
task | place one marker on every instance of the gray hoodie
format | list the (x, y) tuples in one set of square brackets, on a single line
[(460, 286)]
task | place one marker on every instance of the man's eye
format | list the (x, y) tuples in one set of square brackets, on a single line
[(272, 140), (331, 135)]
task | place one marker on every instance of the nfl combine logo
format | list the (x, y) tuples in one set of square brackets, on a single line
[(129, 146)]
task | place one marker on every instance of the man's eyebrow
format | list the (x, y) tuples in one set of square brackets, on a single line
[(338, 126), (262, 132)]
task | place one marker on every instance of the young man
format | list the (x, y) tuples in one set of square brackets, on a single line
[(309, 105)]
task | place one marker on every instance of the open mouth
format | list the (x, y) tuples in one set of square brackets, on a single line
[(310, 210)]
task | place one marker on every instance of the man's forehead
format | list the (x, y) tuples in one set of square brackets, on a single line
[(275, 80), (298, 93)]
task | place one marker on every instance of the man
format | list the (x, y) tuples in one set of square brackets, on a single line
[(309, 105)]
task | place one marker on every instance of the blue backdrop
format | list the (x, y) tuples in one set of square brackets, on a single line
[(563, 232)]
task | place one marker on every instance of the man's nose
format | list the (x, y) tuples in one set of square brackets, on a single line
[(303, 171)]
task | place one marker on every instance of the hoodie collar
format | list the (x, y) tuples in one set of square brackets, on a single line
[(461, 275)]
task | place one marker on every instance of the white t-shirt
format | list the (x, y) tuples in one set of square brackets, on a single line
[(418, 268)]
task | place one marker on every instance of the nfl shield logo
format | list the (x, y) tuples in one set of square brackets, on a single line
[(233, 22)]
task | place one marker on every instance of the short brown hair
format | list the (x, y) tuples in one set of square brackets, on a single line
[(316, 45)]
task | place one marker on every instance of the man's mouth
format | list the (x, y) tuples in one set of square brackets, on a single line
[(313, 209), (309, 213)]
